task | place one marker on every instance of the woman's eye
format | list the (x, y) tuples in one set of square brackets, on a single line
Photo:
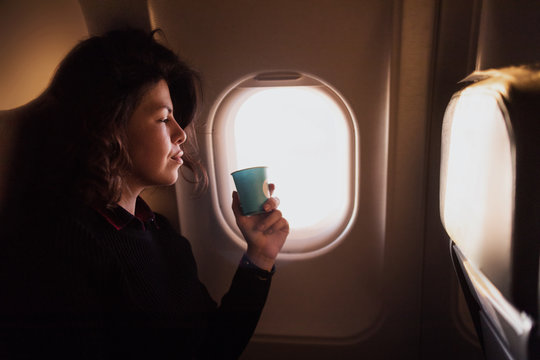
[(166, 120)]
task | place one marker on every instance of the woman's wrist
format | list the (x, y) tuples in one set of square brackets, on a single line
[(260, 260)]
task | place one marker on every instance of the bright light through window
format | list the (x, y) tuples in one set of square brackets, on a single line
[(300, 135), (306, 137)]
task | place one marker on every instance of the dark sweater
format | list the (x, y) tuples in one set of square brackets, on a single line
[(76, 287)]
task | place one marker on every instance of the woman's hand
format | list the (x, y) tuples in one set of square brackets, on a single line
[(265, 233)]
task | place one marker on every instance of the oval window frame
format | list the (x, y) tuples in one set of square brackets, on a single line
[(219, 161)]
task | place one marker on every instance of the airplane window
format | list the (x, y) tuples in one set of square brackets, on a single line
[(303, 131)]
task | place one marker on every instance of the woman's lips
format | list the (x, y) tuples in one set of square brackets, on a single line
[(178, 157)]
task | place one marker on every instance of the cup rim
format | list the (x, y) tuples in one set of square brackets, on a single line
[(249, 168)]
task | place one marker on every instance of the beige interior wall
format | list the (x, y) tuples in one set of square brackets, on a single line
[(104, 15), (36, 35)]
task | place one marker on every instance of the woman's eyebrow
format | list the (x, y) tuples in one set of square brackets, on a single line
[(159, 107)]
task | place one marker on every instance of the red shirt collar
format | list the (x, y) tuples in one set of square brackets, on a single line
[(120, 217)]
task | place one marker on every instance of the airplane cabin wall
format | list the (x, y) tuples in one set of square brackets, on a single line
[(509, 33), (333, 298), (443, 304), (34, 40), (217, 50)]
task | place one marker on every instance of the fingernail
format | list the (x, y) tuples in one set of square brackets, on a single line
[(266, 207)]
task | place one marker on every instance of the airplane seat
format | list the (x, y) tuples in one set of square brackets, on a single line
[(39, 37), (490, 205)]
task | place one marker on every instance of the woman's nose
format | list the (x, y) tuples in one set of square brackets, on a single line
[(178, 135)]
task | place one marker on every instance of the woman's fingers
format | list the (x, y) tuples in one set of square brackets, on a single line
[(281, 225), (267, 222), (271, 204), (237, 210)]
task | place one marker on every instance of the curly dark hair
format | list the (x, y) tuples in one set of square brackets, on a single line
[(72, 142)]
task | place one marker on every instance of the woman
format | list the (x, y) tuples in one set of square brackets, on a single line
[(88, 270)]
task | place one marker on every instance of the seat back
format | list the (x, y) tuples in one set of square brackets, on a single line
[(490, 205)]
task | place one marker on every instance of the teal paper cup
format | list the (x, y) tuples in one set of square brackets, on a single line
[(252, 187)]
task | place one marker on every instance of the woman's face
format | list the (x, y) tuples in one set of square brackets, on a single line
[(154, 139)]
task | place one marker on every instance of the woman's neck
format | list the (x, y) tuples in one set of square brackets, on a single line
[(128, 199)]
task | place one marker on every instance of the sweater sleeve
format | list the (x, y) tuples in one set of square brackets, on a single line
[(227, 328), (234, 322), (230, 325)]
